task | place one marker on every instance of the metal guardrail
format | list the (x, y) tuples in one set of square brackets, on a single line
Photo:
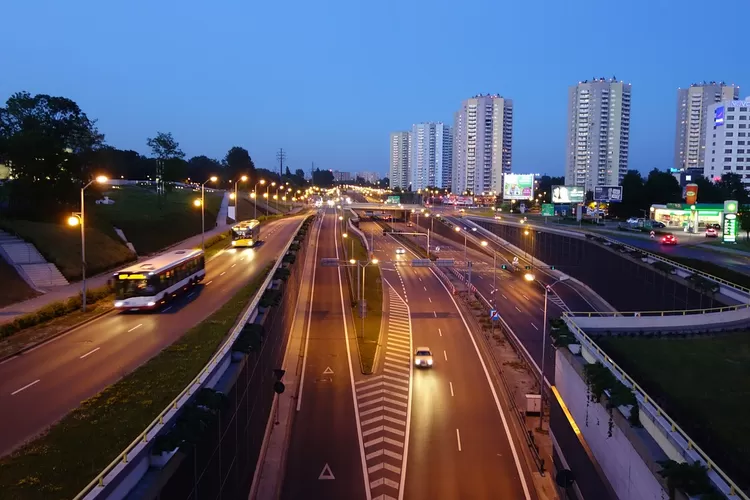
[(644, 314), (171, 410), (735, 490), (654, 256)]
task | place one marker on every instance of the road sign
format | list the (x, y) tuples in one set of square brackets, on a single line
[(515, 261), (548, 209), (437, 249), (329, 262), (328, 371), (278, 373), (326, 473), (494, 314), (420, 263), (278, 387), (445, 263)]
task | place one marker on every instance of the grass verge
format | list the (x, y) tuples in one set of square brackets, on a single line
[(61, 462), (702, 383), (373, 294), (15, 288)]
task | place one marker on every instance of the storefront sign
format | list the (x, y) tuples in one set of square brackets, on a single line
[(730, 228)]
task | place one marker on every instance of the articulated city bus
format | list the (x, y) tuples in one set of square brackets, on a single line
[(150, 284), (245, 233)]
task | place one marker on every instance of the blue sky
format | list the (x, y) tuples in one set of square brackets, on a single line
[(329, 80)]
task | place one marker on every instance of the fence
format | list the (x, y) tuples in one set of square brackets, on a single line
[(672, 430), (687, 312)]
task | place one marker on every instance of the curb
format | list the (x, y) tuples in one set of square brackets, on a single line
[(58, 334)]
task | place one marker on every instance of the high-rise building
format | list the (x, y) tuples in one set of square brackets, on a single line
[(371, 177), (399, 171), (727, 140), (692, 113), (482, 144), (339, 176), (431, 155), (598, 133)]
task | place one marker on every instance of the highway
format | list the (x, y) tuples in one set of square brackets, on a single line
[(40, 386), (460, 443), (324, 458)]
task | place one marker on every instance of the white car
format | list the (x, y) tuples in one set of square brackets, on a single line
[(400, 251), (423, 357)]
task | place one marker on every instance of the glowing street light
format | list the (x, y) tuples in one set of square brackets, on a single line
[(213, 178)]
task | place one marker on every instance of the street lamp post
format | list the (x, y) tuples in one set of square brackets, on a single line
[(547, 288), (236, 197), (79, 218), (203, 211), (255, 192)]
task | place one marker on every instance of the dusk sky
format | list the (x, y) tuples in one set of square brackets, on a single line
[(329, 80)]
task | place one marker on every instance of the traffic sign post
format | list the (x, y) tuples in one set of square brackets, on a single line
[(494, 315)]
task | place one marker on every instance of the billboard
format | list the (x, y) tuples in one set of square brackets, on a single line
[(719, 116), (691, 194), (609, 194), (393, 200), (518, 186), (458, 200), (568, 194)]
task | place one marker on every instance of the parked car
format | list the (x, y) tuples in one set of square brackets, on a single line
[(658, 225)]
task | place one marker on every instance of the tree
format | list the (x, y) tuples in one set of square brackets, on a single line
[(238, 163), (201, 168), (164, 146), (48, 143), (322, 178), (633, 201), (119, 163), (661, 187), (732, 188), (745, 223), (708, 192)]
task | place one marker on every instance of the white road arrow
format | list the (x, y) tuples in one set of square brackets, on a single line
[(326, 473)]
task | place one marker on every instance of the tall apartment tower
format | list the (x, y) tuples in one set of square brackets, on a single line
[(728, 140), (400, 157), (482, 144), (431, 155), (598, 133), (692, 116)]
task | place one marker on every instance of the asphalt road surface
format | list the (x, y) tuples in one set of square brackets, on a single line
[(40, 386), (459, 444), (324, 459)]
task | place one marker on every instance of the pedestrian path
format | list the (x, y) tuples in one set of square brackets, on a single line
[(29, 263), (383, 405)]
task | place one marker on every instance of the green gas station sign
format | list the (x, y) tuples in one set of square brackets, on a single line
[(548, 209), (730, 228)]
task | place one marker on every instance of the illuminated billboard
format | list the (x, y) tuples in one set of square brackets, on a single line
[(568, 194), (609, 194), (719, 116), (518, 186)]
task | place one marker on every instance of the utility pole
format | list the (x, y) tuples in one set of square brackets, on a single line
[(281, 156)]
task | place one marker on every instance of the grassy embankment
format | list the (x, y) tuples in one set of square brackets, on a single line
[(61, 462), (702, 383)]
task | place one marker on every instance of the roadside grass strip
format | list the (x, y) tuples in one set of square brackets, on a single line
[(65, 459)]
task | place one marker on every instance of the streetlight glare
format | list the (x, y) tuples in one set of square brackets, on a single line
[(458, 229), (484, 243), (529, 277), (243, 178), (262, 182), (231, 196), (214, 178), (374, 261), (526, 232), (101, 179), (341, 218), (345, 235), (352, 261), (73, 220), (197, 203)]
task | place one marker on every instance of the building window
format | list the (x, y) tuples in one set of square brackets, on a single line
[(727, 143), (730, 134), (728, 151)]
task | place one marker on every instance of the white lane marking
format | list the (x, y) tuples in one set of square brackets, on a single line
[(535, 327), (365, 473), (90, 352), (420, 279), (166, 309), (525, 297), (425, 288), (135, 327), (451, 384), (234, 265), (435, 313), (517, 309), (445, 355), (440, 332), (458, 439), (429, 300), (512, 444), (24, 387), (309, 320), (222, 274), (506, 298), (541, 309), (209, 282)]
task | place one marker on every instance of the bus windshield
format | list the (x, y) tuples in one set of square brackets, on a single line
[(126, 288)]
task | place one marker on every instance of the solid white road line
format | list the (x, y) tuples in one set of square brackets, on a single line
[(309, 320), (24, 387), (500, 410), (535, 327), (365, 474), (458, 439), (451, 384), (135, 327), (445, 355), (90, 352)]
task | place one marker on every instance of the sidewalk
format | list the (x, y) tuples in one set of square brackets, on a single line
[(9, 313)]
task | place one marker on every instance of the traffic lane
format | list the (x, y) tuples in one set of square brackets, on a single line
[(78, 365), (324, 431), (455, 430)]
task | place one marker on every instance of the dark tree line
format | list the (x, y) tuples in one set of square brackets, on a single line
[(52, 148)]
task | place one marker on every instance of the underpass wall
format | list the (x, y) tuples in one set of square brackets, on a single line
[(223, 462), (627, 285)]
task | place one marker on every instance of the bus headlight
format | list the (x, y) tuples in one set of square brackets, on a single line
[(234, 243)]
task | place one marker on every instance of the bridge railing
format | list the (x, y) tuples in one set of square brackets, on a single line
[(644, 314)]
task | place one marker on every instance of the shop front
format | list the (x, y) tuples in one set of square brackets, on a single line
[(693, 218)]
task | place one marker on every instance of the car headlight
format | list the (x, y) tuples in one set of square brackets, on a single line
[(429, 362), (118, 304), (151, 304)]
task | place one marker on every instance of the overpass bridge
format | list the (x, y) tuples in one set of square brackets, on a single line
[(384, 206)]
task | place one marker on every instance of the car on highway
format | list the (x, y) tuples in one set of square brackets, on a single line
[(400, 251), (669, 240), (423, 357), (657, 225), (712, 232)]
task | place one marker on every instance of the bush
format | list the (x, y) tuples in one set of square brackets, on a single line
[(270, 298), (289, 258), (294, 247), (282, 274)]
